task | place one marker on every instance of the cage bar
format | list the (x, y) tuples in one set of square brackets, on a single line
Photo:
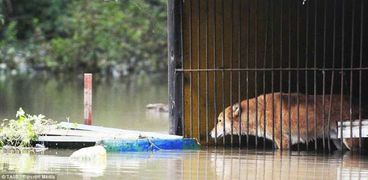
[(351, 73), (333, 66), (272, 73), (342, 67), (239, 75), (198, 73), (231, 74), (315, 76), (207, 73), (247, 73), (289, 76), (297, 72), (190, 73), (360, 72), (214, 74), (223, 72), (306, 75), (256, 72), (324, 76), (281, 31)]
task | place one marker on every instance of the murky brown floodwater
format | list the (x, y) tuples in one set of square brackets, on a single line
[(121, 104), (116, 103), (203, 164)]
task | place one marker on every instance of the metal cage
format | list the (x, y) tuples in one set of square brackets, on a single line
[(223, 52)]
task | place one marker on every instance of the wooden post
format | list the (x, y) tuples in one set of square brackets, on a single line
[(88, 98), (175, 61)]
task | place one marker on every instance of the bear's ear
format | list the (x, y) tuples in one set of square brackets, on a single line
[(236, 110)]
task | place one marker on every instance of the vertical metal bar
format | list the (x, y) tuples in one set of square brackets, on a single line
[(264, 79), (324, 76), (207, 66), (342, 69), (190, 73), (256, 72), (360, 72), (182, 74), (222, 71), (315, 75), (333, 72), (306, 75), (351, 72), (239, 76), (247, 72), (281, 30), (231, 73), (272, 73), (215, 72), (198, 73), (289, 78), (297, 72)]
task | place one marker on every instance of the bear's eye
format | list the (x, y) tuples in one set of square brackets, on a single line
[(219, 120)]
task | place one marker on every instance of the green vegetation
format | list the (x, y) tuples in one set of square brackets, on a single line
[(21, 131), (117, 38)]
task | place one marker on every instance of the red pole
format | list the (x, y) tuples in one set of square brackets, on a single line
[(88, 98)]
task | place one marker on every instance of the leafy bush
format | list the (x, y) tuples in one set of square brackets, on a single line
[(22, 130)]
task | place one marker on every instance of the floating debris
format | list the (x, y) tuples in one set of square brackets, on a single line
[(14, 149), (28, 130), (159, 107), (148, 144), (97, 152), (116, 140)]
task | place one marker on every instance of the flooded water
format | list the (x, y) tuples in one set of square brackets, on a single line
[(122, 104), (202, 164), (116, 103)]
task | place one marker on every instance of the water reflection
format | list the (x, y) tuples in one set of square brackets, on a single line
[(204, 164)]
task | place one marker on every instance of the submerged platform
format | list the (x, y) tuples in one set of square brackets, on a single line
[(71, 135)]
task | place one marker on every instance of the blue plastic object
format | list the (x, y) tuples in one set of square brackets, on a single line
[(146, 144)]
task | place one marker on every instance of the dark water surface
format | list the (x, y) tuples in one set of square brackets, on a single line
[(121, 104)]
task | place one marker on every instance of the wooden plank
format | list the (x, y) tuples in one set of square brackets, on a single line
[(115, 130), (83, 133), (62, 139)]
